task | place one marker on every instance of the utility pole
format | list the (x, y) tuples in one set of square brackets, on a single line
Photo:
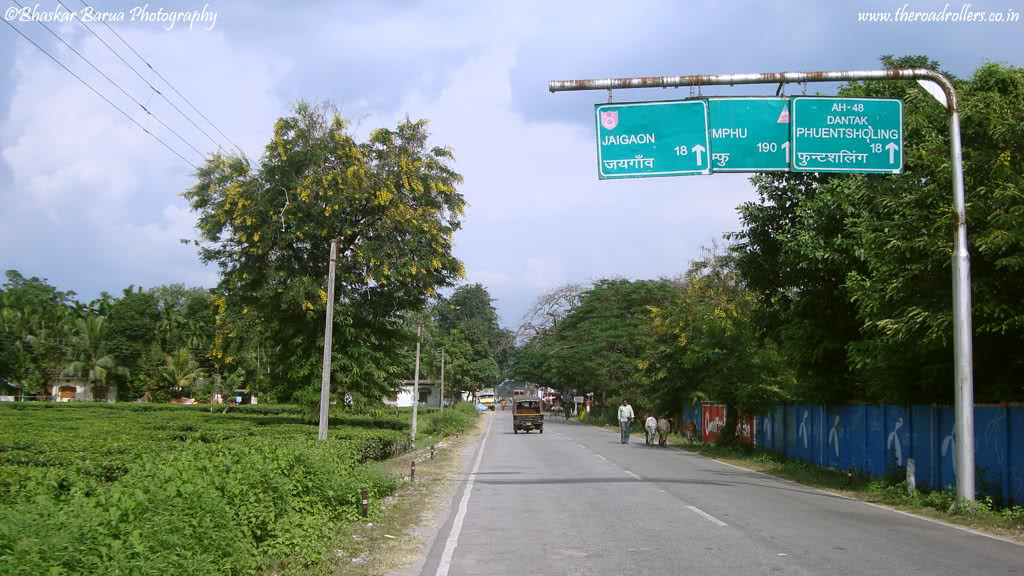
[(325, 379), (442, 380), (415, 389), (940, 87)]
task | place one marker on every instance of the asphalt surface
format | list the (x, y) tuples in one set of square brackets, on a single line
[(574, 501)]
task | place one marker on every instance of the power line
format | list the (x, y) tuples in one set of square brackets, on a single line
[(160, 76), (116, 85), (115, 53), (97, 92)]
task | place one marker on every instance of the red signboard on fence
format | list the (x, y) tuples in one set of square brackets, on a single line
[(713, 420)]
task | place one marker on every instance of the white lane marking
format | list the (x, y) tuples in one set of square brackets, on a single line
[(707, 516), (581, 446), (460, 516), (601, 457), (632, 474), (872, 504), (783, 554)]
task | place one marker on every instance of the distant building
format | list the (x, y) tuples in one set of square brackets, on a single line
[(70, 389), (430, 394)]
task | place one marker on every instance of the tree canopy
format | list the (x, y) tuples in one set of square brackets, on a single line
[(392, 203)]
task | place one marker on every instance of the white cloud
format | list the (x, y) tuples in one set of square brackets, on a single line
[(543, 273), (94, 201)]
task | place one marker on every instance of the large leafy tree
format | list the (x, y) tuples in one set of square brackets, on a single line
[(707, 346), (467, 319), (528, 360), (391, 201), (131, 328), (599, 344)]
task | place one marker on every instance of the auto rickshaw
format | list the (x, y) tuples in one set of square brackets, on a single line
[(527, 415)]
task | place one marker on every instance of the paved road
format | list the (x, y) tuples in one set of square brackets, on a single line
[(574, 501)]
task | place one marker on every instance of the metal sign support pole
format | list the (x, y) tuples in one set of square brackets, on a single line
[(962, 331)]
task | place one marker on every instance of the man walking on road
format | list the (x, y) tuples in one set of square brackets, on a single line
[(625, 420)]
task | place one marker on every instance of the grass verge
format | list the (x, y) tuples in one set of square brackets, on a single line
[(892, 492)]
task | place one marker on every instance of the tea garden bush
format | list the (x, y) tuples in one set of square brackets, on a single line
[(100, 489)]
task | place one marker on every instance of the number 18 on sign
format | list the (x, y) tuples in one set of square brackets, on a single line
[(639, 139)]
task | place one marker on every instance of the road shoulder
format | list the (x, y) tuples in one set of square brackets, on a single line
[(398, 543)]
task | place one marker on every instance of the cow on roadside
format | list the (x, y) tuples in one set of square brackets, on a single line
[(650, 426), (664, 427), (691, 431)]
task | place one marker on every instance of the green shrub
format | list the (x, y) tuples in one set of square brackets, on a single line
[(447, 423), (162, 489)]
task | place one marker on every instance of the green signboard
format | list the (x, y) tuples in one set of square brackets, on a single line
[(847, 135), (639, 139), (749, 134)]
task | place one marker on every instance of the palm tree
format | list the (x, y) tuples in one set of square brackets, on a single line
[(168, 327), (180, 371), (91, 359)]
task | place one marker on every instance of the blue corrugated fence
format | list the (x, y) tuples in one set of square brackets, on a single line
[(877, 440)]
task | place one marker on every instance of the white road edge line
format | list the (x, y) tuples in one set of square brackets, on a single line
[(707, 516), (632, 474), (453, 537), (872, 504)]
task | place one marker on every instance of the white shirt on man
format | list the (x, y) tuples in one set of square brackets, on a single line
[(625, 413)]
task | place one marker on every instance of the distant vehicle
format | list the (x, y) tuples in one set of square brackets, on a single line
[(486, 397), (527, 415)]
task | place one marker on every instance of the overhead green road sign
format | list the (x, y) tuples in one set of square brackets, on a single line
[(847, 135), (639, 139), (749, 134)]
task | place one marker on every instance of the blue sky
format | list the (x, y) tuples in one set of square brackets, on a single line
[(92, 203)]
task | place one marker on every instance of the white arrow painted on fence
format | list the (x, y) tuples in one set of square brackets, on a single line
[(892, 148), (804, 429), (834, 435), (698, 150), (894, 441)]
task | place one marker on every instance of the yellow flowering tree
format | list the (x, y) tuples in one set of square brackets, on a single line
[(391, 201)]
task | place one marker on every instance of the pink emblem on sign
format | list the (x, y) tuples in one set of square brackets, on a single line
[(610, 119)]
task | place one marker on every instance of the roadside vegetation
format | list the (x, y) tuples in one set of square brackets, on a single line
[(141, 489)]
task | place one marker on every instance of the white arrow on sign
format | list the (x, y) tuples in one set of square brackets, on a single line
[(698, 150), (891, 147), (785, 146)]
